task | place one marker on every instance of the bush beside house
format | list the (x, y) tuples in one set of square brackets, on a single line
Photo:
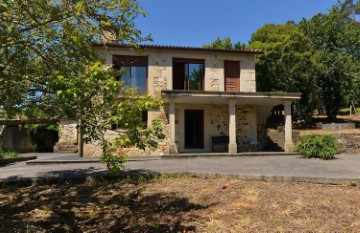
[(317, 146)]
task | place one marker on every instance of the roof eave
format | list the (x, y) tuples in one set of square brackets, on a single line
[(179, 48)]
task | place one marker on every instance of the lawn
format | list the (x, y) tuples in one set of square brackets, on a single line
[(179, 204)]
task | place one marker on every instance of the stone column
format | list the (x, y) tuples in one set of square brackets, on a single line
[(172, 144), (232, 127), (288, 126)]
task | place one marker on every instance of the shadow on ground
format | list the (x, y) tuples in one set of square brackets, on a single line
[(111, 204)]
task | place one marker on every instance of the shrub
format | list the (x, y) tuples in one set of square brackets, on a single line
[(317, 146), (11, 154)]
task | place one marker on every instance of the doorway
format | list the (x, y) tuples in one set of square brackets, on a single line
[(194, 129)]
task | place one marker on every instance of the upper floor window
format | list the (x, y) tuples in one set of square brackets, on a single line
[(232, 76), (188, 74), (134, 71)]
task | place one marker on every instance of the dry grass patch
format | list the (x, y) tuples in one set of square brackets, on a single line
[(180, 204), (320, 131)]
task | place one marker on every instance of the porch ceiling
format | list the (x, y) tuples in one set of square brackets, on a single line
[(214, 97)]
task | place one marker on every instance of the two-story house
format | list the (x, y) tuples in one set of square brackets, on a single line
[(210, 93)]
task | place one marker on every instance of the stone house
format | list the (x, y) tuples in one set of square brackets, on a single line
[(211, 95)]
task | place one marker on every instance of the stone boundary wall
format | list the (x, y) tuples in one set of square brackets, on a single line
[(338, 126), (348, 143)]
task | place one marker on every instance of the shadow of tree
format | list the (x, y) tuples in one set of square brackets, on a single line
[(99, 204)]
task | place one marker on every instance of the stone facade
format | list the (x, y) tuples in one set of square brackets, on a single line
[(94, 149), (68, 137), (216, 123), (160, 69), (249, 121)]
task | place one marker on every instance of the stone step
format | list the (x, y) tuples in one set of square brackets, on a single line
[(277, 138), (65, 148)]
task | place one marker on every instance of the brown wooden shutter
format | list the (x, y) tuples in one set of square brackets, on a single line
[(124, 60), (232, 76)]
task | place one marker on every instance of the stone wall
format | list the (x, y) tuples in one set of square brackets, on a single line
[(94, 149), (68, 137), (338, 126), (160, 70), (216, 123), (160, 74), (246, 126), (68, 132), (348, 143)]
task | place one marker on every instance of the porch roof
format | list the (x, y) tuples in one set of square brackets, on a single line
[(220, 97)]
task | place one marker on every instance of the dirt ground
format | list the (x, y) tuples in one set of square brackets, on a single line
[(179, 204)]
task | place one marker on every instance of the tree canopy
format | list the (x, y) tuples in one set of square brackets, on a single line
[(318, 57), (49, 67), (41, 39), (225, 43), (288, 64)]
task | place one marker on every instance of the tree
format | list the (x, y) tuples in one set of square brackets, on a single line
[(317, 57), (98, 101), (49, 69), (225, 43), (39, 38), (289, 64), (335, 36)]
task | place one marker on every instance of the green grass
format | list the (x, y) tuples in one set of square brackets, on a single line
[(10, 154), (346, 111)]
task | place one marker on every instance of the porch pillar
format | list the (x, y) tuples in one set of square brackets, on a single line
[(288, 126), (172, 145), (232, 127)]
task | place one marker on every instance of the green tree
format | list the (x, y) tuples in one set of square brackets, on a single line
[(49, 69), (335, 36), (41, 37), (225, 43), (98, 101), (289, 64)]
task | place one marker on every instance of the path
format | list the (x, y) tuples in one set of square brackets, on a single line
[(345, 167)]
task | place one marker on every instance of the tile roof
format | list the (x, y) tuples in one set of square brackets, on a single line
[(246, 51)]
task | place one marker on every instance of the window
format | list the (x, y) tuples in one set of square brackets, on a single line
[(134, 77), (188, 74), (135, 71), (232, 76)]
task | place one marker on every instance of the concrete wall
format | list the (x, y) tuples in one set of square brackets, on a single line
[(16, 139), (19, 139)]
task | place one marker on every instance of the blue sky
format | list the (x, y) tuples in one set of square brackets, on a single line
[(199, 22)]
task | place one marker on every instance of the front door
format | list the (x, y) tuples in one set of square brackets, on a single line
[(232, 76), (194, 129)]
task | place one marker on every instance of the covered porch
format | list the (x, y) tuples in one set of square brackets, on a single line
[(250, 108)]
